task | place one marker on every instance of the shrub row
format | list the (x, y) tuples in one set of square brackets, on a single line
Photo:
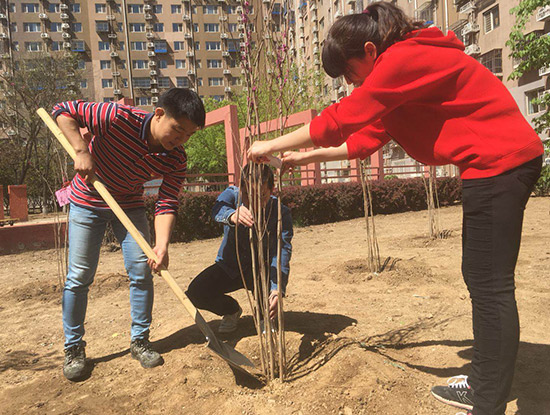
[(312, 205)]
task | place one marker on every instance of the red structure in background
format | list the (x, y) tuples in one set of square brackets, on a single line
[(2, 201), (18, 202)]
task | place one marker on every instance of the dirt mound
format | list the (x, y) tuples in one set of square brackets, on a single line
[(50, 291)]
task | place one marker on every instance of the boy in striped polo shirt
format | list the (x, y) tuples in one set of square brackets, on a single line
[(129, 147)]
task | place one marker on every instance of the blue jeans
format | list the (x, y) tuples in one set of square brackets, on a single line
[(86, 230)]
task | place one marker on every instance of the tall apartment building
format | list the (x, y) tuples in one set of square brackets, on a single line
[(137, 48)]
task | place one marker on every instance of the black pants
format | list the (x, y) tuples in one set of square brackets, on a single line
[(493, 216), (208, 290)]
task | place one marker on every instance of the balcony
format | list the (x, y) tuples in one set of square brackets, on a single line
[(66, 35), (65, 26), (151, 45), (545, 70), (188, 36), (117, 92), (153, 73), (543, 14), (151, 54), (67, 45), (114, 54), (472, 50), (147, 8), (225, 54), (152, 64), (148, 16), (64, 16), (149, 35), (186, 18), (45, 35), (154, 91), (43, 16), (226, 72), (189, 53), (63, 7), (470, 28), (154, 81), (224, 36), (467, 8)]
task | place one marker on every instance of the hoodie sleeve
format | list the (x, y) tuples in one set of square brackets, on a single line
[(366, 141), (402, 74)]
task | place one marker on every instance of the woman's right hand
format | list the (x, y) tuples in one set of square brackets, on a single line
[(84, 165), (292, 159)]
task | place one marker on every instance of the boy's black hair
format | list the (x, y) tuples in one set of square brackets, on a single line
[(182, 102), (381, 23), (261, 173)]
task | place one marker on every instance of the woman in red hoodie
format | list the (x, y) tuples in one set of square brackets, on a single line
[(416, 86)]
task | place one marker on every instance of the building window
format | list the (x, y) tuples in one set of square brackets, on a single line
[(178, 45), (13, 27), (215, 81), (125, 82), (102, 45), (197, 46), (105, 64), (232, 27), (493, 61), (74, 8), (164, 82), (158, 27), (120, 45), (195, 27), (139, 64), (81, 64), (175, 8), (218, 98), (161, 46), (180, 63), (84, 84), (232, 46), (31, 27), (177, 27), (53, 7), (182, 82), (77, 27), (142, 82), (119, 27), (162, 64), (533, 108), (101, 26), (108, 99), (55, 46), (137, 27), (29, 7), (213, 45), (231, 9), (138, 46), (236, 81), (210, 9), (213, 63), (199, 81), (106, 83), (78, 46), (100, 8), (157, 8), (143, 100), (33, 46), (135, 8), (211, 27), (491, 19)]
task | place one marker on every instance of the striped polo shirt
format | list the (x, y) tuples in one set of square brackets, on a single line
[(123, 162)]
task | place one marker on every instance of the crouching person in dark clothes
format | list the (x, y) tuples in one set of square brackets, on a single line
[(209, 289)]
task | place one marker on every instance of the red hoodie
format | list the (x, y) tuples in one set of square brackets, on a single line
[(441, 105)]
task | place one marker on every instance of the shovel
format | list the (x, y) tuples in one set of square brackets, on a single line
[(226, 352)]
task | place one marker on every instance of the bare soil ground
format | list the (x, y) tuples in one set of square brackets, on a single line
[(358, 343)]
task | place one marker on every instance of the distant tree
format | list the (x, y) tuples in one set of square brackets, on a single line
[(532, 52), (27, 151)]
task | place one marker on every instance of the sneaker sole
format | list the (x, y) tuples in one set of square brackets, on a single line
[(453, 403)]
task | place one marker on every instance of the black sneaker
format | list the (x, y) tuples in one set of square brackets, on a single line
[(458, 393), (141, 350), (74, 367)]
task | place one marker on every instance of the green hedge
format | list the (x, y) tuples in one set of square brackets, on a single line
[(312, 205)]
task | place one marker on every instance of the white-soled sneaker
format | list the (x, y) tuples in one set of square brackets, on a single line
[(457, 393), (230, 321)]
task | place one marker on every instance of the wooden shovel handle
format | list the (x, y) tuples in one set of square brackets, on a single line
[(100, 187)]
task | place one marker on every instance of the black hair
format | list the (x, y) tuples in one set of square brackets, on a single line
[(182, 102), (261, 173), (381, 23)]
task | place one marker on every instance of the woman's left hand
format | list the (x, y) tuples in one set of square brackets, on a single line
[(258, 151)]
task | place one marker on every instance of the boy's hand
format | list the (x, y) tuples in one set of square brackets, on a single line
[(84, 164), (258, 151), (273, 304), (242, 216), (162, 255)]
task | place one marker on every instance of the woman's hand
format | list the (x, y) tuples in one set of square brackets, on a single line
[(259, 150), (292, 159)]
